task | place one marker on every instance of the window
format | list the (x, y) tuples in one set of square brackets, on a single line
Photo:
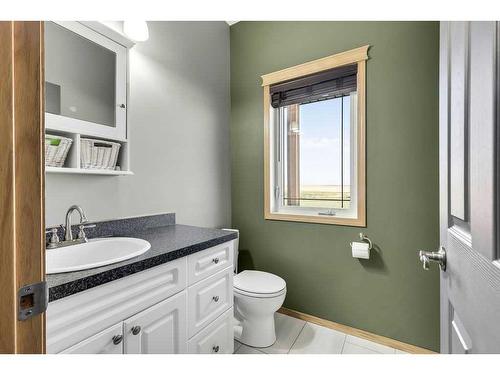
[(314, 141), (313, 161)]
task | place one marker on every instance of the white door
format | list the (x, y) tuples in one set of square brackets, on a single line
[(161, 329), (469, 110), (109, 341)]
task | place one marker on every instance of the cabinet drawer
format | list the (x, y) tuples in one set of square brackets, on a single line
[(208, 299), (217, 338), (210, 261), (109, 341)]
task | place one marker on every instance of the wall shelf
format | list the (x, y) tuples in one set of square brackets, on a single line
[(72, 164), (103, 172)]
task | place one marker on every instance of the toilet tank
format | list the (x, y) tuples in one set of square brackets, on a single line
[(236, 245)]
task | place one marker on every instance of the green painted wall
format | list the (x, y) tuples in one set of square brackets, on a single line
[(389, 294)]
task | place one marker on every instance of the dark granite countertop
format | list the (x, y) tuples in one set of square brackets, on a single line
[(168, 242)]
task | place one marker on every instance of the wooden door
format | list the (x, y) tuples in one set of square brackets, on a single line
[(469, 109), (22, 233), (161, 329)]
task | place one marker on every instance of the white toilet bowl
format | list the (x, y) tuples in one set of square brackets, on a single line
[(257, 296)]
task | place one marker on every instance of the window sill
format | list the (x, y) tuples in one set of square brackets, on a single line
[(317, 219)]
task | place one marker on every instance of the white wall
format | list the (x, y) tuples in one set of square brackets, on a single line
[(179, 130)]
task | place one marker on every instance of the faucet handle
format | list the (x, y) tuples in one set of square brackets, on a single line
[(54, 238), (81, 233)]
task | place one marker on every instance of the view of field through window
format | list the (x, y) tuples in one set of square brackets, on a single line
[(317, 154)]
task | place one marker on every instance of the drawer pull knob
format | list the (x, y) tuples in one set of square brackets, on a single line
[(117, 339), (215, 298), (215, 260), (215, 349), (135, 330)]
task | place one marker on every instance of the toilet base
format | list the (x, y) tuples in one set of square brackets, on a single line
[(255, 317), (259, 333)]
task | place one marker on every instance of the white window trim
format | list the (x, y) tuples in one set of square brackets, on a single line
[(277, 180)]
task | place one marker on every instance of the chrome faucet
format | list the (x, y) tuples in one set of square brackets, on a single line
[(54, 241), (68, 236)]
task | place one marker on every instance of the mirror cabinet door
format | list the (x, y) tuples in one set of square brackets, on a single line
[(85, 76)]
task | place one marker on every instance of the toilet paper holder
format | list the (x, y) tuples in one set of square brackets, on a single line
[(362, 237)]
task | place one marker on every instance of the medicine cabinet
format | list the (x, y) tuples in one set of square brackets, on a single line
[(86, 71)]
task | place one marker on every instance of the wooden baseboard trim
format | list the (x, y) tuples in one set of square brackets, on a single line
[(357, 332)]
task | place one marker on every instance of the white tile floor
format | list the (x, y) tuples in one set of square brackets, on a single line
[(294, 336)]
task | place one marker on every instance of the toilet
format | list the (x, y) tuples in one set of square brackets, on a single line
[(257, 296)]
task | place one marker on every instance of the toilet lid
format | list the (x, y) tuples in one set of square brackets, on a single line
[(258, 282)]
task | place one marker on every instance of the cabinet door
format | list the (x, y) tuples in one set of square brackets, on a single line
[(109, 341), (217, 338), (161, 329), (86, 81)]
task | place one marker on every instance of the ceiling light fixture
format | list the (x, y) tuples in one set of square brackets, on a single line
[(136, 30)]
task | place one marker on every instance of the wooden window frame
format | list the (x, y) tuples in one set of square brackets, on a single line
[(355, 56)]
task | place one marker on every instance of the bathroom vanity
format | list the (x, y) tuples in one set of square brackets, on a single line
[(175, 298)]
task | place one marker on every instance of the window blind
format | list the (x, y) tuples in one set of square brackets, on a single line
[(320, 86)]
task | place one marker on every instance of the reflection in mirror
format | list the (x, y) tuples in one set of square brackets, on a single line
[(80, 77)]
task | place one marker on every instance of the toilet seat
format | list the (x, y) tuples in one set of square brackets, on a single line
[(258, 295), (259, 284)]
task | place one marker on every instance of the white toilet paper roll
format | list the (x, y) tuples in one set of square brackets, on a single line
[(360, 250)]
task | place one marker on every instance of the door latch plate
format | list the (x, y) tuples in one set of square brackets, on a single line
[(32, 300)]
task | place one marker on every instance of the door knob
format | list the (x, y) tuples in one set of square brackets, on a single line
[(215, 348), (117, 339), (135, 330), (215, 298), (439, 257)]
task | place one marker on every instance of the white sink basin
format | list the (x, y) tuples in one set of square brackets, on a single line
[(95, 253)]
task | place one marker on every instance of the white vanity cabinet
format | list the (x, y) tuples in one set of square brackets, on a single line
[(166, 309)]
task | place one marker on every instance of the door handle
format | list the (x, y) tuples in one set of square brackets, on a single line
[(439, 257), (117, 339)]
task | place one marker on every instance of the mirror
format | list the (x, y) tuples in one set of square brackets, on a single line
[(80, 77)]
